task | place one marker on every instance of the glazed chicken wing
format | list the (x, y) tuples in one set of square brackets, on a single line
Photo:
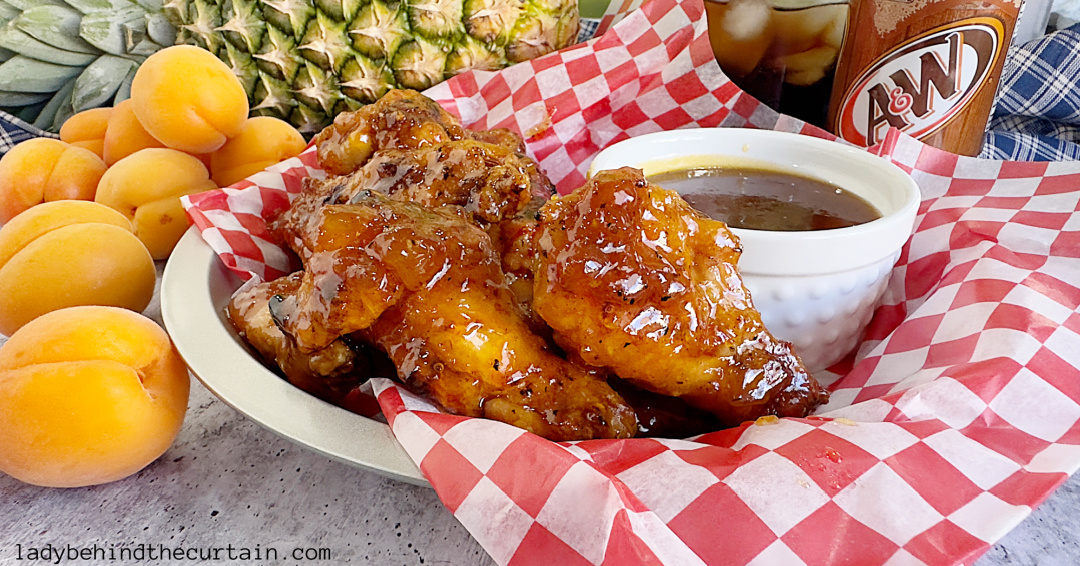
[(501, 188), (632, 279), (401, 119), (426, 287), (328, 373), (409, 147), (488, 180), (407, 120), (515, 240)]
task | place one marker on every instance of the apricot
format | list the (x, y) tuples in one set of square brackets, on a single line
[(189, 99), (125, 134), (146, 187), (204, 158), (70, 253), (261, 142), (43, 170), (88, 395), (86, 129), (97, 147)]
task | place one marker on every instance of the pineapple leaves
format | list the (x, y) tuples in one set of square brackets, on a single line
[(56, 25), (114, 32), (124, 92), (23, 74), (21, 98), (15, 39), (151, 6), (7, 12), (99, 81), (91, 6), (24, 5), (160, 30), (57, 110)]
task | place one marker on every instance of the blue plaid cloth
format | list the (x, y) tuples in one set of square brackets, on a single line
[(14, 130), (1037, 113), (588, 29)]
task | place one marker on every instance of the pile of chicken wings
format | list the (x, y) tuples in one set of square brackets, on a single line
[(442, 257)]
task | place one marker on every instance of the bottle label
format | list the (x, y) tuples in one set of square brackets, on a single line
[(922, 83)]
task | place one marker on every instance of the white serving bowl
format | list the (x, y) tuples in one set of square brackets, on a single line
[(816, 289)]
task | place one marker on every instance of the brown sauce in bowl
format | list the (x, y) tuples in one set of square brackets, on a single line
[(763, 199)]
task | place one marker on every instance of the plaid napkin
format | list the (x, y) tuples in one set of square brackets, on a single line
[(1037, 114), (13, 130)]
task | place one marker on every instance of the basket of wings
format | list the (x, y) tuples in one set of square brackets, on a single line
[(956, 415)]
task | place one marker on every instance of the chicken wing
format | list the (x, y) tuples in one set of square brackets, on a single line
[(401, 119), (488, 180), (632, 279), (500, 187), (406, 120), (660, 416), (329, 373), (515, 241), (426, 287)]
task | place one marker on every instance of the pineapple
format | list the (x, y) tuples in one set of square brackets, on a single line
[(300, 60)]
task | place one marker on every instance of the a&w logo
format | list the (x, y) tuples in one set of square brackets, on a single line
[(918, 86)]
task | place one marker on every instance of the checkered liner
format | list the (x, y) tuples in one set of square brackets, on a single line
[(959, 413)]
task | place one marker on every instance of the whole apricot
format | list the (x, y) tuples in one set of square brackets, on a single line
[(125, 134), (189, 99), (88, 395), (261, 142), (43, 170), (146, 187), (70, 253), (86, 129)]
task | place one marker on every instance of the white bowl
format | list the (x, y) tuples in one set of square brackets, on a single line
[(195, 289), (816, 289)]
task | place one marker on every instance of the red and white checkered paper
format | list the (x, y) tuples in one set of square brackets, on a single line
[(958, 414)]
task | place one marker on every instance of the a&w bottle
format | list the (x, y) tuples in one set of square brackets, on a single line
[(929, 68)]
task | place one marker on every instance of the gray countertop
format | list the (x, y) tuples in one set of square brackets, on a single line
[(229, 485)]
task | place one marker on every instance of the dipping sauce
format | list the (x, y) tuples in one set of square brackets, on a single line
[(763, 199)]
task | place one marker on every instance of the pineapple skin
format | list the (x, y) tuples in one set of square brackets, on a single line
[(304, 61)]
